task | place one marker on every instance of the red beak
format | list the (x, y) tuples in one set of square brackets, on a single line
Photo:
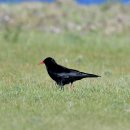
[(42, 62)]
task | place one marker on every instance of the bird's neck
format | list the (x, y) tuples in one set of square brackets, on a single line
[(51, 67)]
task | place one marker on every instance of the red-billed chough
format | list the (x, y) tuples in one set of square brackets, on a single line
[(62, 75)]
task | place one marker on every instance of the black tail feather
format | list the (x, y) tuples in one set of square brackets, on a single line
[(92, 75)]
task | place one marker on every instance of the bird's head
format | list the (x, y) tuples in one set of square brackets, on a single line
[(48, 61)]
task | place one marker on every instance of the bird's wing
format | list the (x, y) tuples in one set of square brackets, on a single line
[(75, 74), (67, 73), (71, 74)]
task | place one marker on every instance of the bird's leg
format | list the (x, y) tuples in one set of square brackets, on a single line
[(71, 87), (56, 85), (62, 88)]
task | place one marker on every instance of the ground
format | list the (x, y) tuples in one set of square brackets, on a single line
[(29, 99)]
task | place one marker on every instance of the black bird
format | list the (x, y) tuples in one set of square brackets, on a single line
[(62, 75)]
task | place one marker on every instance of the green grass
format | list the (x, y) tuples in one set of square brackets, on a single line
[(29, 99)]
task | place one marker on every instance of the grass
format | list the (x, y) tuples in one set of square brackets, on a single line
[(29, 99), (63, 16)]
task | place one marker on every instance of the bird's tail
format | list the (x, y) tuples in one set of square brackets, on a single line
[(92, 75)]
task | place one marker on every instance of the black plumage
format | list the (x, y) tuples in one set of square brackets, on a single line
[(62, 75)]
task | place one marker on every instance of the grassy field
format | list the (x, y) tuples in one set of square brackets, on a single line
[(92, 39), (29, 99)]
